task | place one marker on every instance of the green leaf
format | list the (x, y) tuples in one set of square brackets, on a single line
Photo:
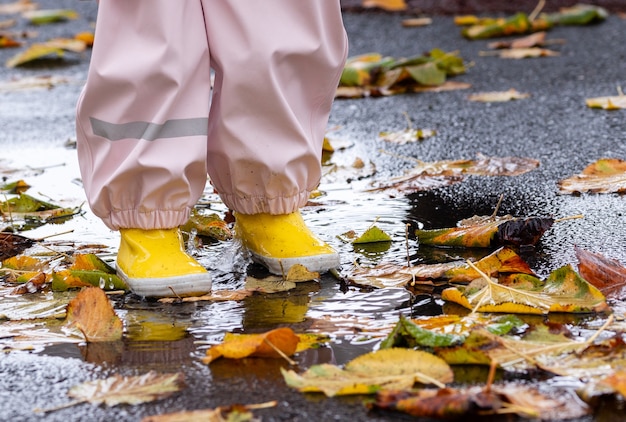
[(71, 279), (408, 334), (580, 14), (371, 235), (427, 74), (41, 17)]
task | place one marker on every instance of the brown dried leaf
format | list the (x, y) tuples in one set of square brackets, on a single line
[(91, 312), (524, 53), (608, 275), (13, 244), (129, 390), (532, 40), (214, 296), (234, 413)]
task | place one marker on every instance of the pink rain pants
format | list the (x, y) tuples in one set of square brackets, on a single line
[(149, 128)]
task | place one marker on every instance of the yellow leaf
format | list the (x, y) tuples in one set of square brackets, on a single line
[(530, 52), (393, 368), (498, 96), (373, 234), (56, 47), (416, 22), (615, 102), (391, 5), (255, 345), (86, 37)]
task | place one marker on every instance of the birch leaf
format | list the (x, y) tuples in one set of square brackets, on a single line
[(606, 175), (394, 368), (91, 312), (128, 390), (488, 231)]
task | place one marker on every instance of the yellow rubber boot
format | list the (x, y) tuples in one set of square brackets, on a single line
[(154, 263), (280, 241)]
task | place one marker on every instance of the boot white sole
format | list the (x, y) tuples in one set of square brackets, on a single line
[(314, 263), (184, 285)]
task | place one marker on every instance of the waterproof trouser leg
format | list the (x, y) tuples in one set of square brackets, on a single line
[(148, 130)]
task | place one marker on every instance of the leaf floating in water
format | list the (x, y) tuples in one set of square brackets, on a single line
[(91, 312), (488, 231), (272, 344), (563, 291)]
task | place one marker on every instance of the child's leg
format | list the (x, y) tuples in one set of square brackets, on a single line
[(142, 118), (277, 66), (141, 130)]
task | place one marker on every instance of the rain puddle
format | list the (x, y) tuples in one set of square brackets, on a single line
[(155, 329), (170, 336)]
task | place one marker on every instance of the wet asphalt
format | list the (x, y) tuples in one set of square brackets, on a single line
[(553, 126)]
